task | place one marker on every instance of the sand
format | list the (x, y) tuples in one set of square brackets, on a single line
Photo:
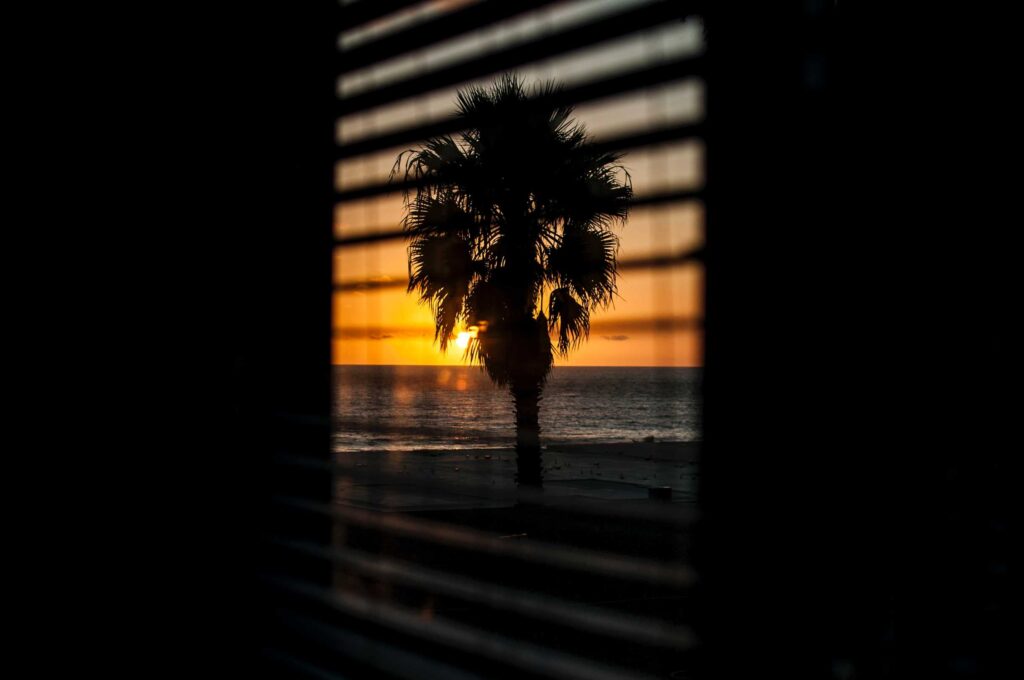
[(426, 480)]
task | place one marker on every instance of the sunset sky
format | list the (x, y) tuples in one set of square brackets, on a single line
[(377, 322)]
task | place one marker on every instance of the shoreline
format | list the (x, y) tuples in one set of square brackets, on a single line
[(438, 479), (661, 448)]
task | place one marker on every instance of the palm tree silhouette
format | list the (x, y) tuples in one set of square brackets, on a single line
[(519, 207)]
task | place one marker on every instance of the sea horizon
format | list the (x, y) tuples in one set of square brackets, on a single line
[(470, 365), (406, 407)]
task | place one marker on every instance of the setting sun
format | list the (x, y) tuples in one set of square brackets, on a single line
[(462, 341)]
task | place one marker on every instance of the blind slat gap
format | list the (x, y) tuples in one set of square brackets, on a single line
[(600, 30), (551, 554)]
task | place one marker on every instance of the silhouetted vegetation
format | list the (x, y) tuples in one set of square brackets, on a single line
[(510, 232)]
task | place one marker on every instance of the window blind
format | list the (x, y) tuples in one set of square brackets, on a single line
[(426, 573)]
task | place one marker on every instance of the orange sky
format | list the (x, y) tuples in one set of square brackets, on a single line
[(386, 325)]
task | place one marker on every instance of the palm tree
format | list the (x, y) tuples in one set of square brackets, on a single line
[(518, 208)]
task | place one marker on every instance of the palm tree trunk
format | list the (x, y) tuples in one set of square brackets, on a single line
[(528, 461)]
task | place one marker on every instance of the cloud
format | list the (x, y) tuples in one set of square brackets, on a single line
[(609, 330)]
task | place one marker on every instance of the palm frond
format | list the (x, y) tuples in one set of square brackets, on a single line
[(438, 261), (486, 304), (585, 263), (571, 318), (441, 269), (447, 308), (438, 214), (520, 198), (586, 191)]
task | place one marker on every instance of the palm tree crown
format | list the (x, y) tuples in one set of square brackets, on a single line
[(519, 207)]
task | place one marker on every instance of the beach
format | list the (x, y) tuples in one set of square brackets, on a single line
[(425, 490), (409, 481), (476, 555)]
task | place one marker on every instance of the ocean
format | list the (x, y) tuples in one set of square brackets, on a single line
[(405, 408)]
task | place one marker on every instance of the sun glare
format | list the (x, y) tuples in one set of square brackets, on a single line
[(462, 341)]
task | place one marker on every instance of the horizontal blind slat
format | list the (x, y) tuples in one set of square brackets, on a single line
[(592, 561), (567, 613), (459, 637), (632, 140), (372, 653), (357, 14), (678, 69), (432, 31), (590, 33)]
